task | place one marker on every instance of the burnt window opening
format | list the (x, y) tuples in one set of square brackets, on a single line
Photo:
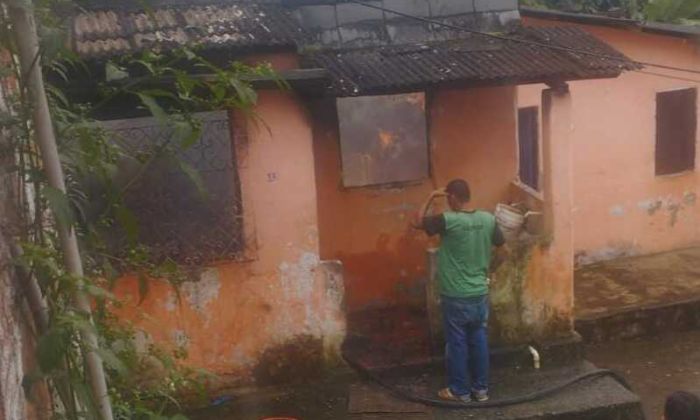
[(676, 127), (178, 219), (383, 139), (528, 146)]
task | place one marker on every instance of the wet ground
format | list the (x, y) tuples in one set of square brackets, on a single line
[(654, 366), (637, 282), (322, 401), (352, 398)]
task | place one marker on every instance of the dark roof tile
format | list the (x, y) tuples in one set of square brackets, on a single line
[(474, 60)]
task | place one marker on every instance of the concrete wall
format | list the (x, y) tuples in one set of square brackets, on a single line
[(620, 206), (471, 135), (280, 311)]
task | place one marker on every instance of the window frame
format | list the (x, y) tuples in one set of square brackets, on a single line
[(237, 135), (397, 183), (660, 167), (537, 154)]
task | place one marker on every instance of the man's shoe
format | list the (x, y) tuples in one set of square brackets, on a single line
[(447, 395), (480, 396)]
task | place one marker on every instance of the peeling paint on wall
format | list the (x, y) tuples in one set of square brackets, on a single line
[(200, 293), (672, 205), (689, 198), (673, 209), (651, 206), (617, 211), (298, 278), (181, 339), (610, 252)]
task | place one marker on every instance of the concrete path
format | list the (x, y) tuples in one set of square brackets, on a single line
[(633, 282), (654, 366)]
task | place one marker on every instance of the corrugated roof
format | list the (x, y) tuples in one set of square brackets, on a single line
[(670, 29), (476, 60), (116, 31)]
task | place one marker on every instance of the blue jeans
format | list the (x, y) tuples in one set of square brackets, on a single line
[(467, 350)]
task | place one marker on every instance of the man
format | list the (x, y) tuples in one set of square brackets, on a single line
[(464, 257)]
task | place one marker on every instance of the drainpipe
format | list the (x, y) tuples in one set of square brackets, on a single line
[(24, 28)]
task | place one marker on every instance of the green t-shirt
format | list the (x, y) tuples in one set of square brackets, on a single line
[(464, 257)]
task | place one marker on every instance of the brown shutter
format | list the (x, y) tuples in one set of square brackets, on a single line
[(676, 123)]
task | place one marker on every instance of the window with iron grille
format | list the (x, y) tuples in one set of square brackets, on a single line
[(676, 126), (528, 134), (177, 218)]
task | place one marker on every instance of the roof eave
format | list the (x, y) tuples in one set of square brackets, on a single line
[(470, 83), (679, 31)]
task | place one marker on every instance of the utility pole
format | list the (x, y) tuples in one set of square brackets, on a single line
[(27, 40)]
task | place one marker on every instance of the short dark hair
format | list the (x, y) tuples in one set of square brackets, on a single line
[(460, 189), (682, 405)]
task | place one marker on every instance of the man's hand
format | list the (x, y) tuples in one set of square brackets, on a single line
[(440, 192)]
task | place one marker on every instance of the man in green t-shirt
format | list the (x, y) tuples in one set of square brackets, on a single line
[(467, 239)]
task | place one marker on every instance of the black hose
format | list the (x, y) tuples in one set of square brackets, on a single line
[(433, 402)]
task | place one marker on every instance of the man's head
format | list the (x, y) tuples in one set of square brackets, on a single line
[(682, 405), (458, 193)]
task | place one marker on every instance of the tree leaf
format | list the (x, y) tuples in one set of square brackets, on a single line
[(51, 349), (112, 360), (187, 133), (194, 177), (128, 222), (99, 292), (114, 72), (155, 109), (60, 206)]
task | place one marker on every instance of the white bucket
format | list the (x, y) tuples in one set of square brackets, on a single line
[(509, 218)]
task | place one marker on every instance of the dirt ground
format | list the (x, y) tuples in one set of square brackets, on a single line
[(635, 282), (654, 366)]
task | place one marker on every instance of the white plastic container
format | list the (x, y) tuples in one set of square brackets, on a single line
[(510, 220)]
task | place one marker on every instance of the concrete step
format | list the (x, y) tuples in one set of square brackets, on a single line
[(599, 398), (644, 320)]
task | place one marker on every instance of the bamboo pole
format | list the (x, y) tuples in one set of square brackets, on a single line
[(28, 50)]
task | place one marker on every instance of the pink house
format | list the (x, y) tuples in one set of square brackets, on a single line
[(383, 109)]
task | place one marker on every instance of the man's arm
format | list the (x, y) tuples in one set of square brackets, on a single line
[(432, 225), (502, 252), (420, 217)]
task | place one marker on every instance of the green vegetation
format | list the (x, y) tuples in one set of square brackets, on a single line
[(669, 11), (145, 381)]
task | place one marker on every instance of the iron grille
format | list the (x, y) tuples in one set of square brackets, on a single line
[(178, 219)]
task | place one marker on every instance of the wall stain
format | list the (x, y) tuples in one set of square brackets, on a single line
[(651, 206), (394, 272), (297, 360), (689, 198), (673, 209)]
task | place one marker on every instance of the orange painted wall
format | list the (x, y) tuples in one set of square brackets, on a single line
[(238, 310), (616, 193), (471, 135)]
